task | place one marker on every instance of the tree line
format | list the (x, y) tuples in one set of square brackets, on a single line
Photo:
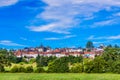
[(108, 62)]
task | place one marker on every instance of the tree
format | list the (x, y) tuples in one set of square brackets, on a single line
[(116, 67), (116, 46), (43, 61), (12, 58), (89, 45), (111, 54), (72, 59), (109, 46), (112, 57), (38, 61), (98, 65), (59, 65), (4, 59)]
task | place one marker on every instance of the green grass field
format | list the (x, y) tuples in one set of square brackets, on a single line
[(64, 76)]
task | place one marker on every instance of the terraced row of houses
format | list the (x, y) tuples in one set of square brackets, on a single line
[(58, 52)]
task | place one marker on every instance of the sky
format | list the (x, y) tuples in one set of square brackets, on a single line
[(58, 23)]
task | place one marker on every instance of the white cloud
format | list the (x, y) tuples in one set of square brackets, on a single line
[(9, 43), (114, 37), (66, 14), (104, 23), (117, 37), (49, 28), (102, 42), (7, 2), (56, 38), (69, 36), (52, 38)]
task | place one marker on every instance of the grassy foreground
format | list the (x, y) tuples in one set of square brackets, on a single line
[(65, 76)]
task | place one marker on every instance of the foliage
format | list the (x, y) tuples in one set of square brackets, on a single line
[(108, 62), (21, 69), (73, 59), (76, 68), (116, 67), (4, 61), (2, 68), (29, 69), (32, 60), (39, 70), (112, 57), (59, 66), (14, 69), (43, 61), (20, 59), (98, 65), (111, 54)]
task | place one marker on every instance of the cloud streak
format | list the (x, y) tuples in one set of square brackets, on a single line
[(116, 37), (9, 43), (7, 2), (60, 38), (104, 23)]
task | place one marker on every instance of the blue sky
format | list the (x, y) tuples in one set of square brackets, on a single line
[(58, 23)]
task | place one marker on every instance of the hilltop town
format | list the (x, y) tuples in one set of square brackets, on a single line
[(59, 52)]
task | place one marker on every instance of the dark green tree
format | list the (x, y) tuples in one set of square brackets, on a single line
[(89, 45), (111, 56), (109, 46), (4, 61), (98, 65), (43, 61), (116, 66), (59, 65), (116, 46)]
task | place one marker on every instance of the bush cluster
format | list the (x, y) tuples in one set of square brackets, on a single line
[(39, 70), (17, 69), (29, 69), (2, 68)]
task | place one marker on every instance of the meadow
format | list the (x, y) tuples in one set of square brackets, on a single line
[(55, 76)]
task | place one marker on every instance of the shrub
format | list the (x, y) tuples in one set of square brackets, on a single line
[(21, 69), (22, 63), (32, 60), (2, 68), (14, 69), (116, 67), (76, 68), (29, 69), (39, 70)]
